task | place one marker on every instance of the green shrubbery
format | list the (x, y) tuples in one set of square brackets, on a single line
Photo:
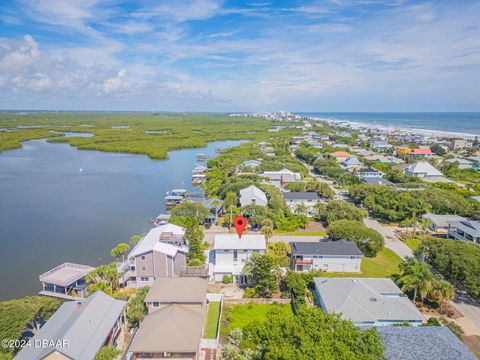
[(369, 241)]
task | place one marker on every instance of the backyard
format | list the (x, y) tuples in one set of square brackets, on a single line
[(383, 265), (211, 322), (240, 316)]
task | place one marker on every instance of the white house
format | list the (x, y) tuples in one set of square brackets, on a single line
[(366, 301), (252, 163), (230, 254), (369, 172), (253, 196), (281, 177), (423, 169), (329, 256), (308, 199)]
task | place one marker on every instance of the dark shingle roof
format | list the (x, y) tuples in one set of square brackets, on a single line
[(422, 343), (301, 196), (376, 181), (340, 247)]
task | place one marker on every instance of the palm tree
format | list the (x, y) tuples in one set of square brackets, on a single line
[(417, 277), (443, 291)]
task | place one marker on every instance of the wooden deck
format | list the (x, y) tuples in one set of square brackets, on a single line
[(58, 295)]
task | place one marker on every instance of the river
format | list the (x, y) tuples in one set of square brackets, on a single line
[(51, 212)]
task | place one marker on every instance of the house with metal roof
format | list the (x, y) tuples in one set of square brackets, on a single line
[(366, 301), (423, 169), (281, 177), (173, 327), (376, 181), (161, 253), (439, 223), (422, 343), (329, 256), (253, 196), (78, 330), (352, 162), (466, 230), (230, 253)]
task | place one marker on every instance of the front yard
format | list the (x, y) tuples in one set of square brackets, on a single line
[(383, 265)]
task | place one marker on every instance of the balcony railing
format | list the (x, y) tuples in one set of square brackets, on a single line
[(303, 262)]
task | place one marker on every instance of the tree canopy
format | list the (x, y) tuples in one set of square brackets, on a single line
[(311, 334), (369, 241)]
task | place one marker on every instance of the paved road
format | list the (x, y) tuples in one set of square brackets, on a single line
[(391, 240), (468, 307)]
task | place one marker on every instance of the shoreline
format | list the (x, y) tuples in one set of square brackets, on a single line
[(393, 128)]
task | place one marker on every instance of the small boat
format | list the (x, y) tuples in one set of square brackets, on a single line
[(161, 219)]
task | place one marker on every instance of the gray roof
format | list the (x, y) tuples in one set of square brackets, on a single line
[(340, 247), (468, 226), (376, 181), (178, 290), (366, 299), (293, 195), (442, 220), (422, 343), (86, 328)]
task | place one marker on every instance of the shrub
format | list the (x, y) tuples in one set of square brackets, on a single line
[(227, 279), (250, 293)]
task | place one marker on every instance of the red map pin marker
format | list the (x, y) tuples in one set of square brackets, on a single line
[(240, 223)]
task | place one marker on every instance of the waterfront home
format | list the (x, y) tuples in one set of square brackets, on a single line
[(366, 301), (66, 281), (439, 223), (173, 326), (380, 145), (281, 177), (215, 207), (308, 199), (339, 156), (161, 253), (368, 172), (78, 330), (230, 254), (423, 169), (329, 256), (253, 196), (466, 230), (422, 342), (352, 162)]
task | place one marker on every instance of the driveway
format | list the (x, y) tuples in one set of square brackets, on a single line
[(391, 240), (468, 307)]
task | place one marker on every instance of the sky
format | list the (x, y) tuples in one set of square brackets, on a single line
[(213, 55)]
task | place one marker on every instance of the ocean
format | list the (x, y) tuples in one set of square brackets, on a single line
[(455, 122)]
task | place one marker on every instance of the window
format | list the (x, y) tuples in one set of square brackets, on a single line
[(156, 304), (143, 278), (143, 267), (143, 257), (132, 268), (235, 255)]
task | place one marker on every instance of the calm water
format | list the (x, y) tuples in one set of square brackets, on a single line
[(461, 122), (50, 213)]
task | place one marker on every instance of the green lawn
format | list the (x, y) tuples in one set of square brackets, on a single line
[(383, 265), (211, 322), (240, 316), (412, 243), (302, 233)]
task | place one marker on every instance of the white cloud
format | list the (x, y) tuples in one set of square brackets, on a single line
[(15, 56)]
